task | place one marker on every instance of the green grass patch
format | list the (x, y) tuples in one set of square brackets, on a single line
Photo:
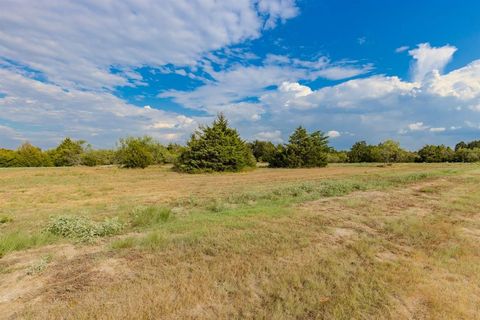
[(149, 216), (17, 240)]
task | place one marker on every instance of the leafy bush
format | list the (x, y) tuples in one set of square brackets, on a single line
[(432, 153), (337, 157), (147, 216), (68, 153), (215, 148), (8, 158), (263, 151), (83, 229), (467, 155), (303, 150), (135, 152), (360, 152), (30, 156), (93, 158)]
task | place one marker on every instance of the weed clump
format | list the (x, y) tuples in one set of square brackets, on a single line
[(83, 229), (39, 266), (5, 219), (149, 216)]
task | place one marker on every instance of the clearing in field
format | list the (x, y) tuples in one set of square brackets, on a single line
[(343, 242)]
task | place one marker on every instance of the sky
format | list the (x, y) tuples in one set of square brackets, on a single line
[(357, 70)]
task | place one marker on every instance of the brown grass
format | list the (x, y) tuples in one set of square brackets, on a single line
[(402, 252)]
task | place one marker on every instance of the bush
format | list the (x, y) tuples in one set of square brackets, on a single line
[(93, 158), (303, 150), (467, 155), (8, 158), (432, 153), (135, 152), (337, 157), (360, 152), (68, 153), (30, 156), (263, 151), (82, 229), (215, 148)]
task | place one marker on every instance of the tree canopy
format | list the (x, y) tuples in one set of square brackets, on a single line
[(215, 148), (304, 150)]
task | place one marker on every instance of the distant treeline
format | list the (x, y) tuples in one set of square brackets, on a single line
[(78, 153), (220, 148), (388, 151)]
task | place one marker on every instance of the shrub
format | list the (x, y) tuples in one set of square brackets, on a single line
[(467, 155), (303, 150), (215, 148), (147, 216), (30, 156), (360, 152), (8, 158), (68, 153), (93, 158), (135, 152), (337, 157), (81, 228), (432, 153), (263, 151)]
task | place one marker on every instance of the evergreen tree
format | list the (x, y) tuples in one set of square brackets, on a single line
[(215, 148), (303, 150), (68, 153)]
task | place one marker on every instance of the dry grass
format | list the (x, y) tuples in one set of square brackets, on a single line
[(346, 242)]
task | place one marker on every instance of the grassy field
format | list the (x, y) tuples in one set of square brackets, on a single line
[(343, 242)]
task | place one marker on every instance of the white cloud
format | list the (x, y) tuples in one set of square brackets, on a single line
[(51, 113), (273, 136), (75, 44), (440, 129), (333, 134), (417, 126), (83, 50), (429, 59), (295, 88), (402, 49)]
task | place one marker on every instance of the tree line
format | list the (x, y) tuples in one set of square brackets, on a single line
[(219, 147)]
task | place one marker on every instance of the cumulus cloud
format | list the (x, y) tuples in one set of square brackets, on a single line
[(50, 113), (333, 134), (76, 44), (61, 61), (429, 59), (274, 136)]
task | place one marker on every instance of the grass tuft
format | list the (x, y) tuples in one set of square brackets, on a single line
[(17, 240), (149, 216)]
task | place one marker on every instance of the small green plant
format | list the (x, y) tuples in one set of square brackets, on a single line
[(5, 219), (39, 266), (148, 216), (83, 229)]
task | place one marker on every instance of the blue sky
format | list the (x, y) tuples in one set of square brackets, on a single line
[(359, 70)]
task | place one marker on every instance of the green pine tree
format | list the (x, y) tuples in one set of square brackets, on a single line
[(215, 148)]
